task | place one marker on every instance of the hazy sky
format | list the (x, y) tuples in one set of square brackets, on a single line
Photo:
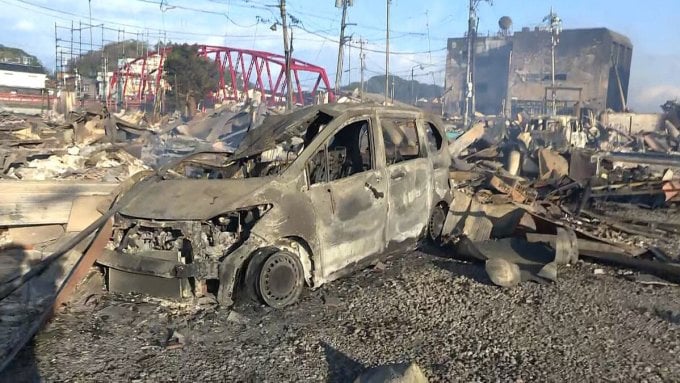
[(652, 26)]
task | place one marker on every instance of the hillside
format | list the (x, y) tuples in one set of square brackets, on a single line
[(91, 62), (402, 88), (18, 56)]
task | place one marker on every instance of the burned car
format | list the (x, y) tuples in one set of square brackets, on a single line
[(305, 198)]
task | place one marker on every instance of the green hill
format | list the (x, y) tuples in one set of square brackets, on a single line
[(18, 56)]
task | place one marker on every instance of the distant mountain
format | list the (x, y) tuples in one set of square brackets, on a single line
[(402, 88), (18, 56)]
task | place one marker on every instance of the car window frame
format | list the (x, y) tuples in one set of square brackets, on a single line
[(422, 150), (372, 147), (427, 122)]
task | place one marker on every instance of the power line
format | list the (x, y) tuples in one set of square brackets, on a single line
[(366, 49), (197, 10), (175, 33), (138, 27)]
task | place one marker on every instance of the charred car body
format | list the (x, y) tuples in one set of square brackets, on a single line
[(305, 198)]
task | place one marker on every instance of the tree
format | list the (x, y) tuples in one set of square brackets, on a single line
[(192, 77)]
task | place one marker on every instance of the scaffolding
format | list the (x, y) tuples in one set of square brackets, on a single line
[(102, 50)]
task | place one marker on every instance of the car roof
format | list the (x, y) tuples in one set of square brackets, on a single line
[(276, 126), (339, 108)]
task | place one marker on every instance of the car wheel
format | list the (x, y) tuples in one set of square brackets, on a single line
[(436, 224), (280, 279)]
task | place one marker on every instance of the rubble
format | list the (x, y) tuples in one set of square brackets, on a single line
[(558, 185), (530, 198)]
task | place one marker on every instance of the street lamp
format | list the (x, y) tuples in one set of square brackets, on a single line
[(412, 68)]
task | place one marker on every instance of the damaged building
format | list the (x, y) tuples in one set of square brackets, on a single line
[(22, 87), (512, 72)]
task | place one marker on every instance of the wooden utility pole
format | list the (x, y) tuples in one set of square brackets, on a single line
[(387, 55), (286, 49)]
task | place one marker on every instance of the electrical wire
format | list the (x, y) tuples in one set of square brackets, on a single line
[(197, 10), (138, 27), (365, 49)]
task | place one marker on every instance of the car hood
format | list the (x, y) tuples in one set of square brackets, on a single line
[(191, 199)]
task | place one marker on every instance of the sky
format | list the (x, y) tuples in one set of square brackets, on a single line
[(419, 30)]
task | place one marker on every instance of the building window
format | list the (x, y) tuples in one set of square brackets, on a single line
[(533, 77), (558, 77)]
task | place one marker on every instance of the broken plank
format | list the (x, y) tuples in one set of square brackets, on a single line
[(26, 214), (24, 203), (56, 187), (32, 235)]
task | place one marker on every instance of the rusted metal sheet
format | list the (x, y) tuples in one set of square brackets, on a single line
[(83, 265), (512, 188)]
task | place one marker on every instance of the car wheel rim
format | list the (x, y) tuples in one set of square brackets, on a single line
[(279, 280)]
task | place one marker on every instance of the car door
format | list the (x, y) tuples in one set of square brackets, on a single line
[(409, 177), (439, 158), (348, 192)]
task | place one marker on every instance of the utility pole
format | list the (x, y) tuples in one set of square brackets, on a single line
[(349, 61), (393, 89), (469, 71), (555, 29), (362, 58), (429, 46), (89, 6), (338, 74), (387, 55), (286, 49), (415, 100)]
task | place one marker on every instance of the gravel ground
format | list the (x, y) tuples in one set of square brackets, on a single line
[(443, 314)]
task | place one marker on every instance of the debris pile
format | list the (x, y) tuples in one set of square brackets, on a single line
[(529, 197), (83, 148), (529, 200)]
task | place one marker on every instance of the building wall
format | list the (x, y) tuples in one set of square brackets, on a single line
[(492, 56), (13, 79), (586, 66)]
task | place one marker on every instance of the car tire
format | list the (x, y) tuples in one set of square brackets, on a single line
[(275, 278), (436, 224)]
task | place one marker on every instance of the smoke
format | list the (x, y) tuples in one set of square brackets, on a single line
[(654, 80)]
